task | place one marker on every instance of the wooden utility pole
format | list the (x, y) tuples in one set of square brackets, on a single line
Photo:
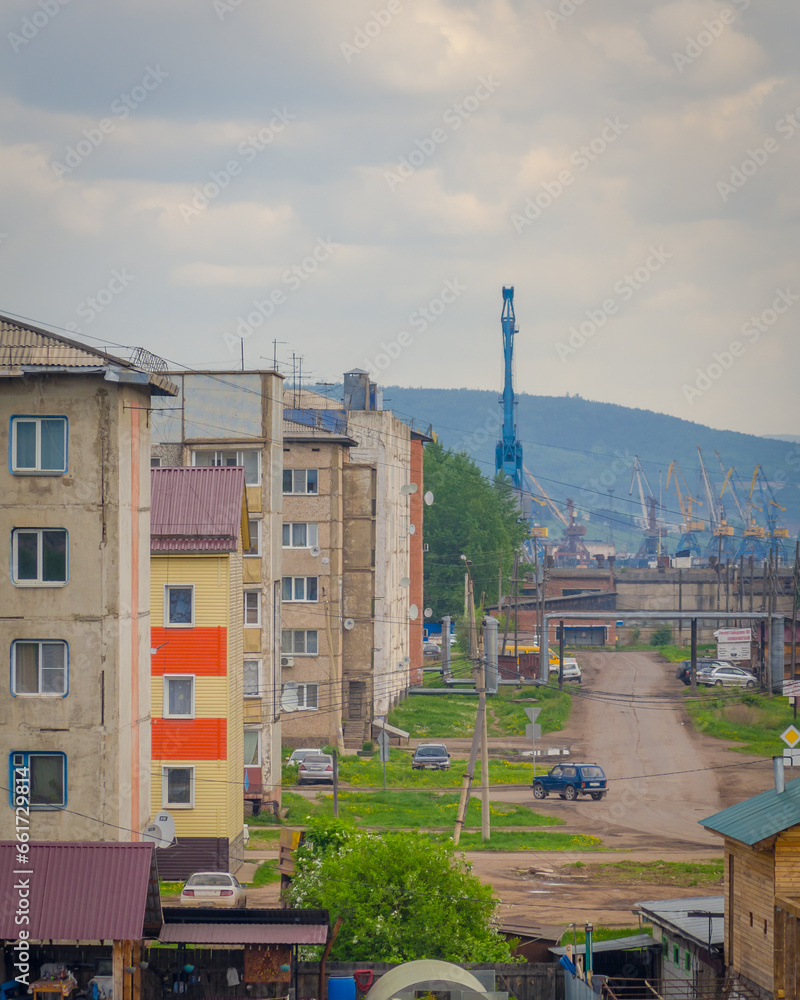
[(693, 655)]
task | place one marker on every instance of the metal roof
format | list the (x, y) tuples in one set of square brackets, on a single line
[(673, 913), (244, 934), (78, 891), (759, 817), (631, 943), (196, 509), (25, 348)]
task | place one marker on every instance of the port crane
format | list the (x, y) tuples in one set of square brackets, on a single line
[(752, 544), (650, 547), (720, 545), (690, 526), (776, 533), (508, 452)]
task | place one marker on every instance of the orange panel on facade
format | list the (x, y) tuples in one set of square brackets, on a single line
[(201, 651), (190, 739)]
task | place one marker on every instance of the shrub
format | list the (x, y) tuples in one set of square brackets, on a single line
[(662, 636)]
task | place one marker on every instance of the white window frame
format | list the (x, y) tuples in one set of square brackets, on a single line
[(305, 687), (305, 631), (304, 492), (257, 731), (37, 470), (39, 693), (177, 586), (238, 453), (247, 624), (165, 769), (38, 582), (257, 522), (165, 712), (300, 600), (259, 682), (312, 534)]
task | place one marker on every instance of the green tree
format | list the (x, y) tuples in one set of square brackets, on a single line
[(470, 516), (662, 636), (402, 896)]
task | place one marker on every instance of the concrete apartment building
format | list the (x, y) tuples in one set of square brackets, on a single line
[(75, 716), (233, 418)]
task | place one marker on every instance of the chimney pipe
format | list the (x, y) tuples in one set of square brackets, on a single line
[(780, 777)]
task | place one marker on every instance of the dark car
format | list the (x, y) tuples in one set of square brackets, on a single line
[(571, 780), (432, 757), (684, 671)]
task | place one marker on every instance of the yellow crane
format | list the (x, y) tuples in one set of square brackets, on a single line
[(690, 526)]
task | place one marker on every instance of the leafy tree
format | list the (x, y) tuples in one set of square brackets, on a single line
[(471, 516), (662, 636), (402, 896)]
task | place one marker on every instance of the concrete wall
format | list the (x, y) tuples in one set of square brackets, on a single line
[(360, 484)]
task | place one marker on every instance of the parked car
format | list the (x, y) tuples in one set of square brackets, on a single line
[(684, 671), (572, 672), (727, 675), (213, 889), (431, 757), (571, 780), (315, 767), (298, 755), (431, 648)]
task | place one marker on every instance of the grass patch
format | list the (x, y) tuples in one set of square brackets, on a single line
[(602, 934), (535, 840), (169, 888), (683, 873), (414, 810), (752, 719), (261, 837), (368, 773), (266, 873)]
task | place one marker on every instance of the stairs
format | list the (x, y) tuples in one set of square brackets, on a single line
[(355, 733)]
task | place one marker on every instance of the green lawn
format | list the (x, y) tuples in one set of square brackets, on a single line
[(535, 840), (577, 936), (684, 873), (169, 888), (266, 873), (755, 720)]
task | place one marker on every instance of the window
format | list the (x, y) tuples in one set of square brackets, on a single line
[(299, 642), (676, 955), (177, 787), (299, 588), (252, 747), (179, 604), (39, 444), (252, 607), (39, 667), (178, 697), (299, 697), (39, 556), (300, 535), (300, 481), (47, 778), (155, 463), (687, 961), (665, 948), (252, 678), (249, 458), (255, 537)]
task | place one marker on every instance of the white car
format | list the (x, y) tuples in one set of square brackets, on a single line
[(298, 755), (213, 889), (572, 672)]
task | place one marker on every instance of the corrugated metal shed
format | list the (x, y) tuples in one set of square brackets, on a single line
[(759, 817), (673, 913), (196, 509), (78, 891), (243, 934)]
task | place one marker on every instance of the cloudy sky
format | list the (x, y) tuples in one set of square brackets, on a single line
[(358, 179)]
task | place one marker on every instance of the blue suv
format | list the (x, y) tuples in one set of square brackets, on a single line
[(571, 780)]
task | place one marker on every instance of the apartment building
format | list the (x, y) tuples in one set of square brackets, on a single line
[(199, 529), (75, 716), (228, 419)]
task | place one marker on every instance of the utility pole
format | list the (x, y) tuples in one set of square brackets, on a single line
[(693, 655), (795, 584), (546, 653)]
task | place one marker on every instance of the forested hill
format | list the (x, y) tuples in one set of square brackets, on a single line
[(583, 449)]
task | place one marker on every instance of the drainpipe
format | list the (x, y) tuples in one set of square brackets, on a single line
[(780, 777)]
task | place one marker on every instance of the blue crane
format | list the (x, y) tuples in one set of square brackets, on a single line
[(508, 454)]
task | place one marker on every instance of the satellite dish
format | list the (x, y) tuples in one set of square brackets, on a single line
[(412, 529), (428, 498), (314, 550), (405, 582), (161, 830), (413, 612), (324, 560), (428, 612), (348, 623), (409, 488)]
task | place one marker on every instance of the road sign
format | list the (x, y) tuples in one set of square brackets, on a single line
[(383, 743), (533, 732), (533, 713), (734, 650), (791, 689), (791, 736), (734, 634)]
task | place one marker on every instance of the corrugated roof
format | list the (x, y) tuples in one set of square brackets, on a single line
[(25, 347), (294, 431), (196, 509), (631, 943), (674, 913), (759, 817), (78, 891), (244, 934)]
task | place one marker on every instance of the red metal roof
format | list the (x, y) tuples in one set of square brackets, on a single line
[(196, 509), (244, 934), (77, 891)]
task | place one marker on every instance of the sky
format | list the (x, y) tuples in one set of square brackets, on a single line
[(351, 184)]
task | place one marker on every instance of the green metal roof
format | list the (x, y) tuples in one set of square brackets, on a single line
[(760, 817)]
